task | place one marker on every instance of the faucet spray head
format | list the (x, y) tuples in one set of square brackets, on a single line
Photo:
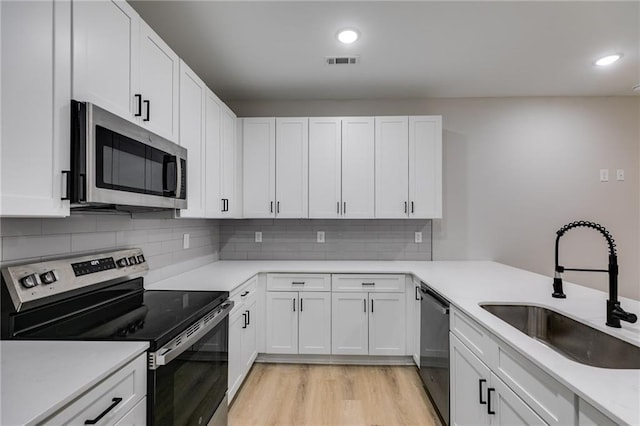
[(558, 293)]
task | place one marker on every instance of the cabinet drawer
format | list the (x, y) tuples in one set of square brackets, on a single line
[(471, 334), (298, 282), (122, 390), (547, 397), (243, 293), (369, 283)]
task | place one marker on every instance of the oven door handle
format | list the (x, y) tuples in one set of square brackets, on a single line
[(172, 350)]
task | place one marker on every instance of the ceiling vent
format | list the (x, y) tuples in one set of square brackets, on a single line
[(342, 60)]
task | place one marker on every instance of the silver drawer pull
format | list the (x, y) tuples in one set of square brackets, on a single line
[(297, 282), (368, 283)]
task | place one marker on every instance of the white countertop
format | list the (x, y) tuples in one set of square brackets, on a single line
[(466, 284), (40, 377)]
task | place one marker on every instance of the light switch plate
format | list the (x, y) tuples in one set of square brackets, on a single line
[(258, 237), (185, 241), (321, 236), (620, 174), (418, 238)]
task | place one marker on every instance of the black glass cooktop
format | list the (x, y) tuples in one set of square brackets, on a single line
[(121, 312)]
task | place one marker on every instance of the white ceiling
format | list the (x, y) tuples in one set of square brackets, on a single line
[(275, 50)]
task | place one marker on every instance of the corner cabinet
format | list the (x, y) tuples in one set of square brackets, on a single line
[(36, 88), (122, 65)]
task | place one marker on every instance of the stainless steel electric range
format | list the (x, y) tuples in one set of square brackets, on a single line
[(101, 297)]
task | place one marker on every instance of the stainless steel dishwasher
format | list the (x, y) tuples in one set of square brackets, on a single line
[(434, 349)]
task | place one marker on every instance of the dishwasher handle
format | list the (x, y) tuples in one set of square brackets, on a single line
[(438, 302)]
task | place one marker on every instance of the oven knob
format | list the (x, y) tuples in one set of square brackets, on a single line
[(30, 281), (133, 260), (49, 277), (122, 262), (132, 328), (121, 332), (140, 258)]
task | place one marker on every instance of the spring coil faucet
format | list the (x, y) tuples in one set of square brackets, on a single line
[(615, 313)]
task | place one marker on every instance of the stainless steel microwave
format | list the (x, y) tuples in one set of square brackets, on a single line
[(117, 164)]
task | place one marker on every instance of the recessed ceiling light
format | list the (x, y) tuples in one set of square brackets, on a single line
[(348, 36), (608, 60)]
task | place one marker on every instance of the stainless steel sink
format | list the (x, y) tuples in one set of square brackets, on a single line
[(571, 338)]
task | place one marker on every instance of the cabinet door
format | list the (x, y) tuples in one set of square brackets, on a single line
[(314, 323), (349, 324), (588, 415), (470, 380), (292, 167), (214, 205), (325, 167), (36, 87), (358, 172), (282, 322), (507, 408), (249, 352), (387, 330), (159, 79), (105, 55), (392, 167), (259, 189), (425, 167), (228, 163), (192, 123), (236, 324)]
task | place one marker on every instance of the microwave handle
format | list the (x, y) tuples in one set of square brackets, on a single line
[(166, 171)]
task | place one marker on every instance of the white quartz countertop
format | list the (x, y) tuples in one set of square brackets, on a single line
[(40, 377), (466, 284)]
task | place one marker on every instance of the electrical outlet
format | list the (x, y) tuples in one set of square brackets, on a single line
[(321, 236), (418, 237), (604, 175), (620, 174), (258, 237), (185, 241)]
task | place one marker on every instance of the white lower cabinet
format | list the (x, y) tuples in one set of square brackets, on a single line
[(298, 322), (479, 397), (111, 401), (243, 325), (366, 323), (588, 415)]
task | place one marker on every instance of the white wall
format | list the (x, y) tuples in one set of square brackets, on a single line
[(517, 169)]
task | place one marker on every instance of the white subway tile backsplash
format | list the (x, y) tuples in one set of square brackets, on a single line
[(13, 227), (71, 224), (14, 248), (93, 241), (130, 238)]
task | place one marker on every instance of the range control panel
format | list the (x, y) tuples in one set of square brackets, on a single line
[(29, 285)]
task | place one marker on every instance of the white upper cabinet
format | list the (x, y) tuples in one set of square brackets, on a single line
[(214, 205), (425, 167), (36, 88), (259, 186), (192, 130), (291, 167), (392, 167), (358, 170), (158, 89), (105, 55), (230, 155), (325, 145), (120, 64)]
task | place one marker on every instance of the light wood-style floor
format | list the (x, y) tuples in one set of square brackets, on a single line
[(288, 394)]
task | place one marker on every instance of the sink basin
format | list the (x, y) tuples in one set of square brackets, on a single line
[(571, 338)]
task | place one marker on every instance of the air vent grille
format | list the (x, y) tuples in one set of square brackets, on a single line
[(342, 60)]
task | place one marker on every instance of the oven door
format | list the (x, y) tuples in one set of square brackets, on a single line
[(188, 382)]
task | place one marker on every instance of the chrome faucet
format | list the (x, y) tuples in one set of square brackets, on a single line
[(615, 313)]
